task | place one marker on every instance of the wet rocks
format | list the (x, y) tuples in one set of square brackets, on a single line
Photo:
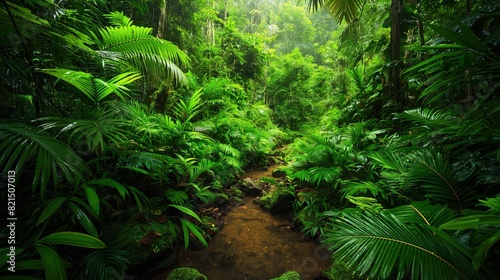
[(249, 187), (279, 200), (278, 173), (221, 199)]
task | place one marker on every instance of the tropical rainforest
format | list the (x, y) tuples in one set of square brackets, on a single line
[(384, 116)]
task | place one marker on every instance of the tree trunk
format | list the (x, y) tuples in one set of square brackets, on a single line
[(225, 10), (162, 20), (420, 24), (394, 70)]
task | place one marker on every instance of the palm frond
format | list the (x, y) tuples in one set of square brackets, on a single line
[(203, 165), (433, 172), (185, 112), (118, 18), (419, 212), (93, 88), (23, 145), (324, 174), (179, 197), (376, 244), (152, 56), (96, 134), (347, 10), (363, 188), (429, 117)]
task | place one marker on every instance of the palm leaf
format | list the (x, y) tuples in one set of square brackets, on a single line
[(52, 263), (376, 244), (176, 196), (433, 172), (340, 9), (22, 145), (134, 45), (185, 112), (429, 118), (187, 227), (357, 188), (96, 134), (324, 174), (52, 206), (93, 88), (72, 239), (83, 219), (419, 212)]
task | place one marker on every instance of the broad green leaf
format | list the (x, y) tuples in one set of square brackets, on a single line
[(83, 219), (473, 221), (52, 263), (93, 199), (73, 239), (52, 206), (482, 250), (186, 211), (187, 225), (30, 265), (110, 183)]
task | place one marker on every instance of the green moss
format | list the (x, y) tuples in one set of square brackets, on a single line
[(289, 275), (339, 271), (186, 273), (235, 192), (138, 253), (265, 202), (279, 191)]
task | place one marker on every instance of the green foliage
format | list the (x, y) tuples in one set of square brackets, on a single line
[(93, 88), (49, 155), (384, 244), (137, 48)]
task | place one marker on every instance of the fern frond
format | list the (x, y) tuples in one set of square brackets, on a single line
[(178, 197), (324, 174)]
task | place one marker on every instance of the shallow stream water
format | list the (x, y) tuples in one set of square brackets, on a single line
[(255, 245)]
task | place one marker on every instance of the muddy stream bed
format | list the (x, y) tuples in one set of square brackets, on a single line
[(253, 244)]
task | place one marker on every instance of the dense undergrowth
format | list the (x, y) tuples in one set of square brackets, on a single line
[(103, 123)]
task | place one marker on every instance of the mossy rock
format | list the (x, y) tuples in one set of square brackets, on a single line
[(209, 225), (279, 173), (221, 199), (265, 202), (236, 201), (304, 216), (289, 275), (139, 253), (234, 191), (281, 200), (339, 271), (249, 187), (186, 273)]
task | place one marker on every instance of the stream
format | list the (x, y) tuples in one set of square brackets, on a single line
[(253, 244)]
